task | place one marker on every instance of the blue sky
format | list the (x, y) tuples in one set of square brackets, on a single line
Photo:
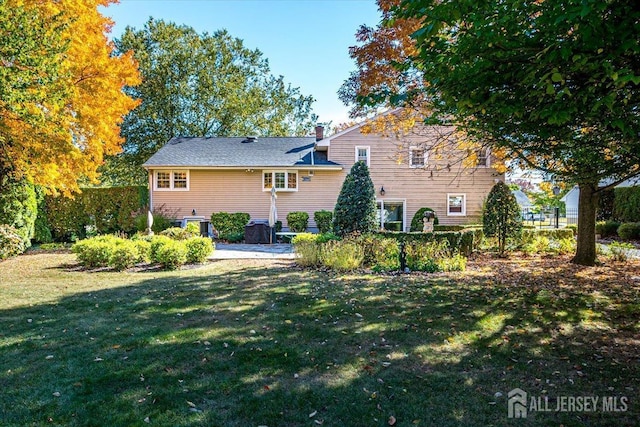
[(306, 41)]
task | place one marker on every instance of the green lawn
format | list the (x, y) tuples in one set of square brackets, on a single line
[(265, 343)]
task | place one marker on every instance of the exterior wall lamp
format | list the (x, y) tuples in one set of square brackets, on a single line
[(382, 191)]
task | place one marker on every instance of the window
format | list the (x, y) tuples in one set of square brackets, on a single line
[(282, 180), (417, 157), (171, 180), (363, 155), (456, 205), (483, 156)]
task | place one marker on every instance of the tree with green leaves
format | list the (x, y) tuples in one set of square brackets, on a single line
[(355, 210), (18, 207), (207, 85), (501, 217), (552, 84)]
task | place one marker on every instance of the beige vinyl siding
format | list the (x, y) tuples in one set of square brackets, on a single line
[(390, 168), (240, 191)]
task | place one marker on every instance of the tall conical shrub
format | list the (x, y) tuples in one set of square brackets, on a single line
[(355, 209), (502, 216)]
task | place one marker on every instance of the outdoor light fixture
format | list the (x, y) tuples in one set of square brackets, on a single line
[(193, 212), (382, 191), (556, 190)]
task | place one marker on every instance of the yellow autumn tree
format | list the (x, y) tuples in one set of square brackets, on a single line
[(62, 99)]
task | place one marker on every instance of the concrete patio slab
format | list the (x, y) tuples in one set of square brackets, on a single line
[(243, 251)]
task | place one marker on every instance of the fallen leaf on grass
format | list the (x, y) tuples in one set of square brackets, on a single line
[(313, 414), (392, 420)]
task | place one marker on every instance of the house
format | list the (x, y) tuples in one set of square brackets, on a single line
[(193, 177), (522, 199)]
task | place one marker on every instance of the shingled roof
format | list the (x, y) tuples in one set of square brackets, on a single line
[(239, 152)]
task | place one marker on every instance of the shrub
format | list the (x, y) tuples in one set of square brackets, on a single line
[(501, 217), (425, 256), (537, 244), (232, 237), (225, 223), (298, 221), (18, 207), (384, 254), (574, 228), (324, 220), (11, 243), (308, 249), (454, 263), (144, 250), (417, 222), (110, 210), (198, 249), (172, 254), (96, 252), (355, 210), (179, 233), (627, 204), (620, 250), (162, 219), (629, 231), (124, 255), (342, 255), (41, 232), (607, 228), (157, 242)]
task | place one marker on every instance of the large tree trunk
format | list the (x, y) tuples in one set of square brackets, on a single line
[(587, 205)]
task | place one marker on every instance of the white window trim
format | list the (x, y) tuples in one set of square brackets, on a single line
[(366, 147), (405, 226), (487, 162), (171, 180), (425, 160), (286, 179), (464, 204)]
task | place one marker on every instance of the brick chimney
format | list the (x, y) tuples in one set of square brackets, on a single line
[(319, 133)]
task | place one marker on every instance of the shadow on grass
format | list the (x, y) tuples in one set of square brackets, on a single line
[(270, 344)]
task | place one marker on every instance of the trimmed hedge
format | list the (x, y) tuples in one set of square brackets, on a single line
[(629, 231), (607, 228), (229, 223), (110, 210), (417, 223), (298, 221), (324, 220), (626, 205), (198, 249), (463, 241)]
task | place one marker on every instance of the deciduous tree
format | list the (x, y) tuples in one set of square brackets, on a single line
[(201, 85), (552, 83), (61, 87)]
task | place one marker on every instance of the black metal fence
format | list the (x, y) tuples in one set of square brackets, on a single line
[(549, 217)]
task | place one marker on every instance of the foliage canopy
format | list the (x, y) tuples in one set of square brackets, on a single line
[(207, 85)]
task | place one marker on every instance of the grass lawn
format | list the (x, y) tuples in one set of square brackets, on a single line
[(265, 343)]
